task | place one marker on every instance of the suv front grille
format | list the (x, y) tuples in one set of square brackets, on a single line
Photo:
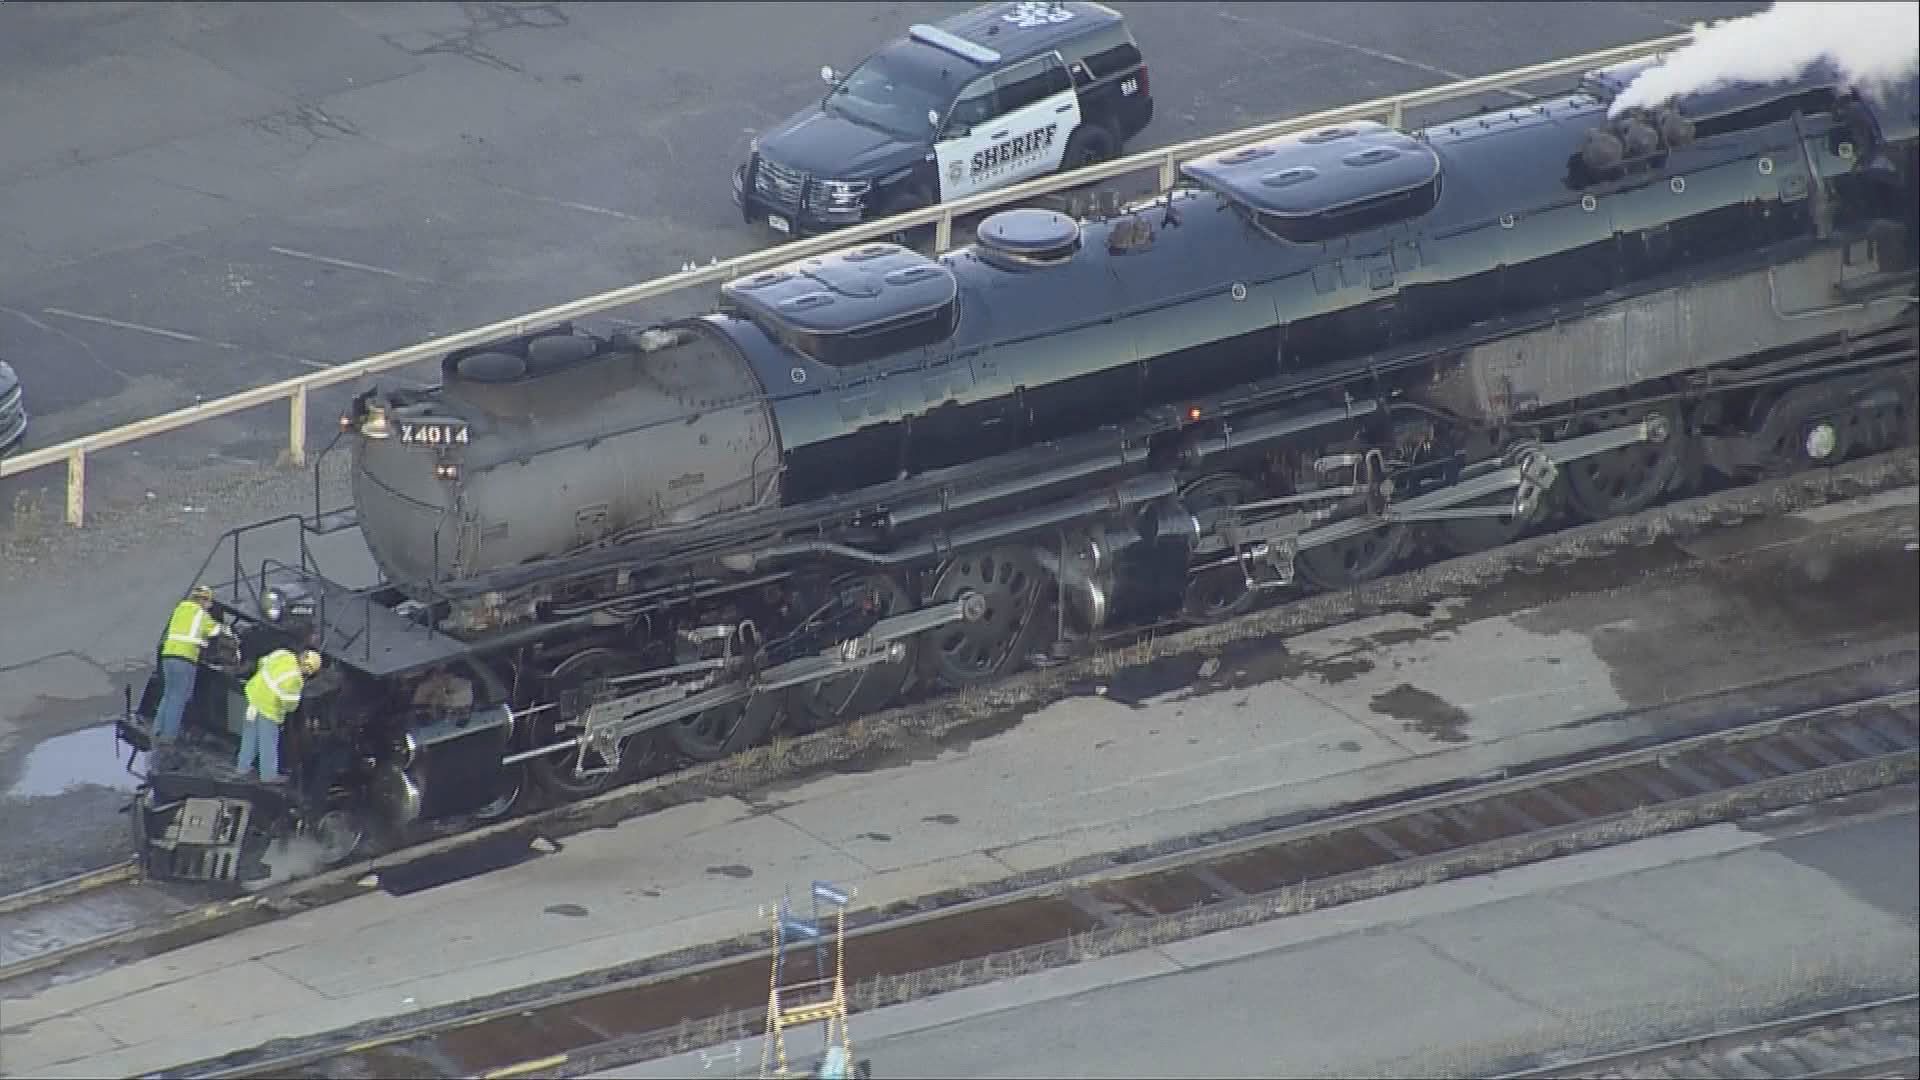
[(779, 185)]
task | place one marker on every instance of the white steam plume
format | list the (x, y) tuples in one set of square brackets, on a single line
[(288, 859), (1869, 43)]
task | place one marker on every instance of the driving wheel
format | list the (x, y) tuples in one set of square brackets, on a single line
[(1009, 580), (862, 600), (571, 685), (1632, 478)]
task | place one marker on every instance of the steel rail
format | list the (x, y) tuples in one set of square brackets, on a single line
[(78, 883), (1774, 1038)]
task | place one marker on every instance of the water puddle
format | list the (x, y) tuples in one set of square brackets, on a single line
[(87, 758)]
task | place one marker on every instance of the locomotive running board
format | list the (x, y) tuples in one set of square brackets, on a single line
[(614, 720), (1536, 469)]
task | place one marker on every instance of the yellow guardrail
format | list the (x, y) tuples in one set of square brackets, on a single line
[(1167, 161)]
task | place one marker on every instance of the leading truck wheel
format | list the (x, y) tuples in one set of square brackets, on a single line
[(513, 780), (512, 783)]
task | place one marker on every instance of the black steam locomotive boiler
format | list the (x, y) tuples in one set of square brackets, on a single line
[(608, 555)]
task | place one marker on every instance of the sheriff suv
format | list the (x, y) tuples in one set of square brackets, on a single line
[(13, 410), (982, 100)]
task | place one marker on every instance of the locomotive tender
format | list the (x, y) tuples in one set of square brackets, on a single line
[(871, 469)]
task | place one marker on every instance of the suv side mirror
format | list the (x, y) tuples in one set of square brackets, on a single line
[(826, 75)]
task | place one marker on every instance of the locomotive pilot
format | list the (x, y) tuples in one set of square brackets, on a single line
[(189, 630), (272, 693)]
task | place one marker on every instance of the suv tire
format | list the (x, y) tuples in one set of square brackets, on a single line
[(1089, 144), (920, 237)]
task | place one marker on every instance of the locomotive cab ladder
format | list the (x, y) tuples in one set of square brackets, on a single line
[(820, 997)]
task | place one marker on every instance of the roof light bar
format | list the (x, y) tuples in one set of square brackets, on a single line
[(953, 43)]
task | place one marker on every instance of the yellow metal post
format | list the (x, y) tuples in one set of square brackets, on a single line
[(76, 487), (775, 1038), (297, 427)]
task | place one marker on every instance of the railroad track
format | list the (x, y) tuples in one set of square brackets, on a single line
[(40, 927), (913, 950), (1876, 1039), (931, 719)]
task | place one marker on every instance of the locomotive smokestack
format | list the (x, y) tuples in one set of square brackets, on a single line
[(1869, 44)]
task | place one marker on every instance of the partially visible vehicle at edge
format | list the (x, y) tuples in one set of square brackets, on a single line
[(999, 95), (13, 410)]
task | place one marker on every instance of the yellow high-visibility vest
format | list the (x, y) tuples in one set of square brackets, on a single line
[(188, 631), (275, 687)]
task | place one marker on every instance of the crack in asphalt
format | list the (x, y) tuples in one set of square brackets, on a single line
[(73, 654), (484, 19), (306, 118), (85, 346)]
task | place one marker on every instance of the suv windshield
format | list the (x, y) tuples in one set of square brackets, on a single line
[(896, 87)]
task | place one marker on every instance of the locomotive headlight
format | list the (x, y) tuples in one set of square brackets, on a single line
[(845, 194), (447, 471), (281, 602), (374, 423)]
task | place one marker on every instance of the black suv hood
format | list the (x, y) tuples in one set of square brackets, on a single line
[(834, 148)]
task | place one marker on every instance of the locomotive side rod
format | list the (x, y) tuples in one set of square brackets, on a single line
[(614, 720), (1535, 471)]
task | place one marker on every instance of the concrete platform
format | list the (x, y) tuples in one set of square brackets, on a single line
[(1538, 669), (1654, 940)]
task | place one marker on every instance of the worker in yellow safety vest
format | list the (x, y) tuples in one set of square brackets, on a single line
[(189, 630), (272, 693)]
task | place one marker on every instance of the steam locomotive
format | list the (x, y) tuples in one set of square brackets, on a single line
[(605, 556)]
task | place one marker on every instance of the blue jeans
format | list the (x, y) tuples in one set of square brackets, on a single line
[(178, 676), (260, 737)]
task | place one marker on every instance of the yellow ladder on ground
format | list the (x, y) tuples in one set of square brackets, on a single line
[(822, 999)]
